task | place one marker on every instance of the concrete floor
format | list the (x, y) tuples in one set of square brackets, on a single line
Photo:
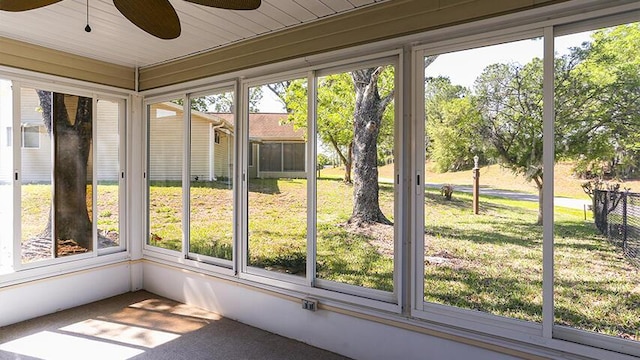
[(142, 325)]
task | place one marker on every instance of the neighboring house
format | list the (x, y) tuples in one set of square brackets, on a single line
[(276, 150), (211, 144), (36, 141)]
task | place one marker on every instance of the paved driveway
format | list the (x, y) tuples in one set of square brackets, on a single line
[(558, 201)]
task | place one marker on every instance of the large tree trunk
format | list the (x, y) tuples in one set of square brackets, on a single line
[(369, 108), (72, 143)]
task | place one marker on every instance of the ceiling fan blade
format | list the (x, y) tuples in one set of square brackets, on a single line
[(156, 17), (24, 5), (229, 4)]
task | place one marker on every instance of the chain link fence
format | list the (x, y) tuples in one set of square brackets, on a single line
[(617, 216)]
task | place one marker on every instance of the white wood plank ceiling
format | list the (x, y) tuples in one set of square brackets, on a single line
[(114, 39)]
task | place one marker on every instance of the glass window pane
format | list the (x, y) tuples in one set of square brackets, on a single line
[(165, 159), (355, 200), (277, 200), (211, 189), (65, 209), (108, 151), (73, 139), (483, 136), (597, 181)]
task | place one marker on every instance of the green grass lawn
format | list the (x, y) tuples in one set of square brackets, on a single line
[(35, 208), (277, 229), (491, 262)]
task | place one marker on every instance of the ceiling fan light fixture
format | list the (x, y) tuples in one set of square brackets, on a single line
[(87, 28), (24, 5), (229, 4), (156, 17)]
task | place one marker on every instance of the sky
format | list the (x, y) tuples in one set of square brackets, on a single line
[(462, 67)]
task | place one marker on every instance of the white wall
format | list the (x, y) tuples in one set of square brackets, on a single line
[(343, 334), (37, 298)]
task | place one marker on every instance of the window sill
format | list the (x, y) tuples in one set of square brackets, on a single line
[(9, 277)]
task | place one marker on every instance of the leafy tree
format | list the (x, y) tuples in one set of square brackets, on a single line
[(452, 125), (509, 99), (323, 160), (223, 102), (335, 109), (606, 79), (355, 116), (597, 88)]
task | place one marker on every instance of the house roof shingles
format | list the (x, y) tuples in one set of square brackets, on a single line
[(268, 127)]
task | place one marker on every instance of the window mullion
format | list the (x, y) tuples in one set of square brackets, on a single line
[(548, 177), (17, 178), (311, 177), (417, 175), (242, 203), (94, 174), (186, 171), (238, 183)]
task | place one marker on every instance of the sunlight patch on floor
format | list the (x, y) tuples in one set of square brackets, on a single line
[(119, 335), (172, 307), (47, 345), (126, 334)]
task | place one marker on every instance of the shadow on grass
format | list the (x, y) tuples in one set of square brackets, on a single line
[(218, 184), (472, 290), (265, 186), (350, 258), (212, 248), (290, 262), (587, 305), (463, 201), (520, 234), (598, 306)]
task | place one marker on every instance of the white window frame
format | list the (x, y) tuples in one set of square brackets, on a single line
[(156, 251), (18, 270), (540, 21), (122, 179), (388, 301), (288, 281), (546, 333), (224, 265), (189, 259), (474, 320)]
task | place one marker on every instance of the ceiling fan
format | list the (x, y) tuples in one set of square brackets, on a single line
[(156, 17)]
